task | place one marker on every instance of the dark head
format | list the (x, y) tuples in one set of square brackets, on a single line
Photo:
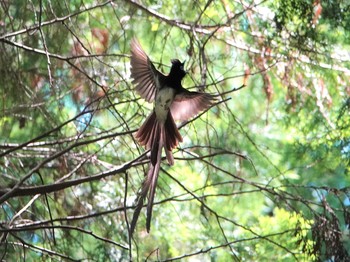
[(177, 69)]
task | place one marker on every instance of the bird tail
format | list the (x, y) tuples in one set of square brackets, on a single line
[(154, 135), (148, 187), (151, 132), (171, 136)]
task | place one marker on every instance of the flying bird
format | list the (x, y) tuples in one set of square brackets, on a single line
[(171, 102)]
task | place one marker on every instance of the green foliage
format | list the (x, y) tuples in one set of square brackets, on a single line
[(283, 241), (262, 175)]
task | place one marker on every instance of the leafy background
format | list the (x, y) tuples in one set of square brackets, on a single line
[(262, 175)]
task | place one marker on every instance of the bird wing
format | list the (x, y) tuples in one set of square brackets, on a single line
[(188, 104), (146, 77)]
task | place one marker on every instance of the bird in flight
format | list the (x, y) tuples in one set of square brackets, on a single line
[(171, 102)]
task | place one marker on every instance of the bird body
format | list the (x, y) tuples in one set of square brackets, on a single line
[(171, 102), (164, 99)]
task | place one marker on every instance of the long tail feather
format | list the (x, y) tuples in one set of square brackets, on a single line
[(156, 145), (153, 177), (137, 211), (154, 135), (148, 187)]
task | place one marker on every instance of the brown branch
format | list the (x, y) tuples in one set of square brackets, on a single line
[(42, 227), (13, 190), (5, 193), (44, 189), (53, 21)]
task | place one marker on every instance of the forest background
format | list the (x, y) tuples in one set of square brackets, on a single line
[(262, 175)]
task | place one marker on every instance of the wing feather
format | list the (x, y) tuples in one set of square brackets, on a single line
[(188, 104), (145, 75)]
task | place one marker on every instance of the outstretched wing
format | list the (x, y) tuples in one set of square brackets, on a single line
[(146, 77), (188, 104)]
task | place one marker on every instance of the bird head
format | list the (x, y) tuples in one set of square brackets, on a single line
[(177, 68)]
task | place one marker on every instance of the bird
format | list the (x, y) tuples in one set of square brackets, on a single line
[(172, 102)]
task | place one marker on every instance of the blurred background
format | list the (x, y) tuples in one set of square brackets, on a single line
[(262, 175)]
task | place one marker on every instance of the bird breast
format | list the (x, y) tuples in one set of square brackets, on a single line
[(163, 101)]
